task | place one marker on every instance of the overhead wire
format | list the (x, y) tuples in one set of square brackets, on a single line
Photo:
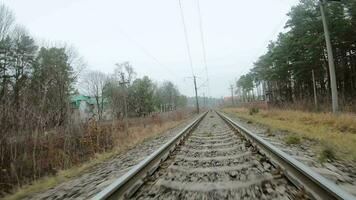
[(272, 34), (144, 50), (186, 38), (203, 45), (278, 28)]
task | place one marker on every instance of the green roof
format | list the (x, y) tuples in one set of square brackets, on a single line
[(76, 99), (79, 98), (92, 100)]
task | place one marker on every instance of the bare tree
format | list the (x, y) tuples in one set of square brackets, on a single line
[(116, 90), (75, 59), (124, 72), (7, 20), (96, 83)]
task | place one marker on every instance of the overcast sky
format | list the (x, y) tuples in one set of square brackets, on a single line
[(149, 34)]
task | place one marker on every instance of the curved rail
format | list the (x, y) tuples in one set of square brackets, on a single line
[(298, 173), (127, 184)]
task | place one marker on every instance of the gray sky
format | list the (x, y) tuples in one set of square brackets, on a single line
[(144, 32)]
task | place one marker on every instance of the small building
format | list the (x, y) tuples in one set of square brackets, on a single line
[(85, 108)]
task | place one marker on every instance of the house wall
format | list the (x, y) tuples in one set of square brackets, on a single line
[(87, 111)]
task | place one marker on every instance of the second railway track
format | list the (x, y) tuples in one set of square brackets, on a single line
[(214, 160)]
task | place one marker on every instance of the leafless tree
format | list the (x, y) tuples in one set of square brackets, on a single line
[(7, 20), (75, 59), (124, 72), (123, 76), (95, 83)]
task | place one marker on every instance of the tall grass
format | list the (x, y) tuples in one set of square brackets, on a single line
[(337, 131), (28, 157)]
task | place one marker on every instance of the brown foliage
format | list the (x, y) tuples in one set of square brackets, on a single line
[(27, 157)]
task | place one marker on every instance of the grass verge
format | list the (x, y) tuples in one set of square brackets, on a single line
[(337, 132)]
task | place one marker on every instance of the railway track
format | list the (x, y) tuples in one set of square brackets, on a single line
[(214, 158)]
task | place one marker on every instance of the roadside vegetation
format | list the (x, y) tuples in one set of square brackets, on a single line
[(42, 129), (293, 75), (292, 139), (141, 129), (335, 134), (284, 74)]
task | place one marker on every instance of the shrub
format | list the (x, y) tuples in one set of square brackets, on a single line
[(253, 110), (292, 139), (327, 152), (26, 158), (269, 132)]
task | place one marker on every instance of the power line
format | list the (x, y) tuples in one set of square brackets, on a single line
[(144, 50), (203, 45), (189, 55), (267, 39), (186, 37), (273, 33)]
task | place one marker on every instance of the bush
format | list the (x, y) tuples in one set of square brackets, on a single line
[(292, 139), (253, 110), (26, 158), (327, 153), (269, 132)]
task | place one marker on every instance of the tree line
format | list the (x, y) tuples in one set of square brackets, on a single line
[(284, 74), (38, 135), (143, 95), (37, 82)]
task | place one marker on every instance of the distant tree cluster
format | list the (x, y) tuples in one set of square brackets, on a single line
[(143, 95), (285, 71)]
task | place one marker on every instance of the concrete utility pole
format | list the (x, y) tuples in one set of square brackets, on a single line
[(314, 87), (232, 94), (196, 93), (123, 83), (334, 95), (204, 100)]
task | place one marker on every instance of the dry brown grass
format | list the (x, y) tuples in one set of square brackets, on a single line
[(336, 131), (137, 134)]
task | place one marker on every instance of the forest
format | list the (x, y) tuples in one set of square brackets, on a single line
[(36, 83), (38, 135), (284, 74)]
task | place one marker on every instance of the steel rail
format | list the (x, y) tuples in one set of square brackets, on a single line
[(298, 173), (127, 185)]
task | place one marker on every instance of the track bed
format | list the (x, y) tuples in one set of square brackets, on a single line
[(214, 162)]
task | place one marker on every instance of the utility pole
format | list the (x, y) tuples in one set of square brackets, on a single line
[(204, 100), (123, 84), (334, 95), (314, 87), (232, 94), (196, 93)]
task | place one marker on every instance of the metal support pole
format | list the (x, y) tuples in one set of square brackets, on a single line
[(232, 94), (126, 120), (196, 93), (314, 87), (123, 83), (334, 95), (204, 100)]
